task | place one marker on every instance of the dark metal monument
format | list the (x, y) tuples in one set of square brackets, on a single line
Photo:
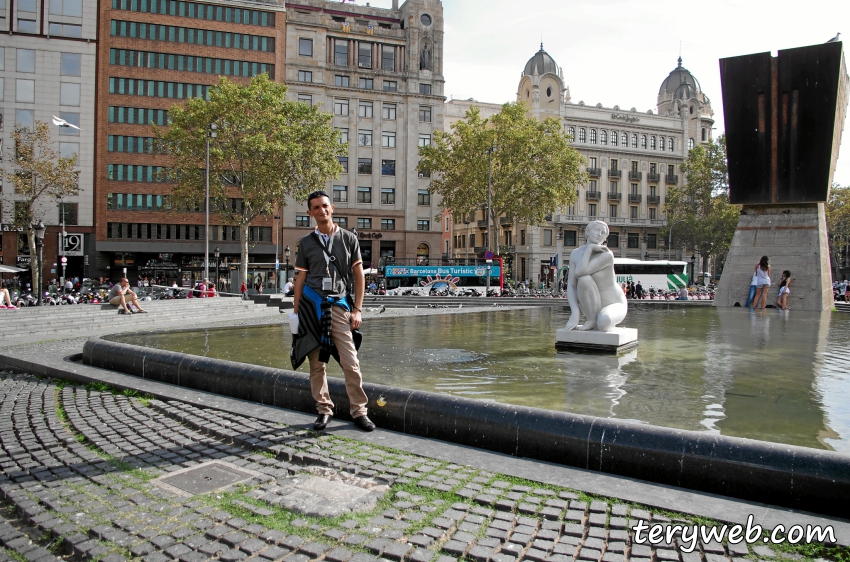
[(784, 119)]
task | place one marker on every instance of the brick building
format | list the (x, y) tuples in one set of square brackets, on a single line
[(152, 55)]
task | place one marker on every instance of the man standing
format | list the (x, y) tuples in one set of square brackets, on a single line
[(120, 293), (639, 290), (329, 270)]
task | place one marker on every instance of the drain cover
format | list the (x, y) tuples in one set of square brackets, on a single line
[(205, 478)]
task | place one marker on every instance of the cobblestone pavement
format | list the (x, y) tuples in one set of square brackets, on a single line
[(88, 474)]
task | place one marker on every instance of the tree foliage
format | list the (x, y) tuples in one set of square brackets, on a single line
[(38, 174), (838, 223), (535, 171), (699, 212), (266, 149)]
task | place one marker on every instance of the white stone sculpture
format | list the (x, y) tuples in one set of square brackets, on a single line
[(592, 290)]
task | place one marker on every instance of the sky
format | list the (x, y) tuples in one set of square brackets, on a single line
[(617, 52)]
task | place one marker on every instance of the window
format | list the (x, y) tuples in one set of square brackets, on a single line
[(388, 111), (367, 84), (633, 212), (425, 89), (388, 58), (612, 211), (340, 53), (73, 8), (571, 132), (634, 189), (603, 137), (634, 140), (653, 142), (424, 139), (65, 30), (68, 149), (364, 223), (388, 139), (364, 55), (592, 186), (634, 241), (302, 220), (390, 86), (592, 161), (70, 64), (569, 238), (424, 113), (613, 187), (643, 141), (582, 135), (340, 194), (423, 197), (364, 165), (652, 212), (703, 134), (26, 26), (366, 109), (635, 166), (521, 238), (340, 107), (591, 209), (343, 135), (68, 213), (423, 224), (26, 5), (547, 237), (364, 194), (690, 144), (671, 144), (387, 167), (387, 224), (614, 164), (614, 138), (593, 136), (73, 119), (652, 189), (624, 140), (305, 76), (341, 80), (342, 222), (651, 241), (343, 161), (364, 138), (25, 91), (653, 169), (387, 196), (613, 240), (425, 173), (305, 98), (671, 169), (661, 143), (305, 47), (472, 240), (26, 60)]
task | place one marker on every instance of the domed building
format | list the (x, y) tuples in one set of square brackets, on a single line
[(632, 158)]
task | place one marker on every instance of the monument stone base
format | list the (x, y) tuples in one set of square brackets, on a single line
[(616, 341), (794, 238)]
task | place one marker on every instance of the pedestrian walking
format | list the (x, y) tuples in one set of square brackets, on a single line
[(330, 285), (762, 282)]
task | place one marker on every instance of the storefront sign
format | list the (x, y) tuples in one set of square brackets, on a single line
[(73, 245), (442, 271), (24, 260), (10, 228)]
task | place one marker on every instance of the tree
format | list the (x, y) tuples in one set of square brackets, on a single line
[(38, 173), (267, 149), (838, 224), (534, 169), (704, 219)]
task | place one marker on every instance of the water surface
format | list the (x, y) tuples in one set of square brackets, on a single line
[(775, 376)]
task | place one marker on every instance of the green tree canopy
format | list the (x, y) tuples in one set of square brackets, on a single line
[(266, 149), (535, 171), (37, 174), (838, 224), (699, 212)]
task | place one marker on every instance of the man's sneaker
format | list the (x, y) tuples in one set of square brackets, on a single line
[(364, 423)]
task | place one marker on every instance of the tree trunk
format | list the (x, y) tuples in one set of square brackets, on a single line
[(36, 273), (243, 233)]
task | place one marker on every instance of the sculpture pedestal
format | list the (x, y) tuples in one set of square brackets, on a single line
[(615, 341)]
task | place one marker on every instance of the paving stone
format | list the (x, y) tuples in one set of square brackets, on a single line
[(176, 550), (396, 551), (480, 553), (534, 555), (273, 536), (252, 546), (589, 554), (274, 553), (502, 557), (421, 540), (666, 554), (314, 549), (456, 548), (362, 557), (421, 555)]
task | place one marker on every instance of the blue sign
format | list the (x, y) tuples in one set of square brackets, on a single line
[(442, 271), (488, 255)]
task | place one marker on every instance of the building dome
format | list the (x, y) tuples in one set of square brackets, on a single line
[(681, 83), (542, 61)]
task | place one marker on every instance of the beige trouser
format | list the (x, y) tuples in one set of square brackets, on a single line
[(341, 332)]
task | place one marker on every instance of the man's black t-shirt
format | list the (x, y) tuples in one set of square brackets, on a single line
[(312, 260)]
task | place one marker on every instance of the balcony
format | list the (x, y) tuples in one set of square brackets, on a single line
[(571, 219), (594, 172), (506, 221), (637, 176), (482, 223), (615, 173), (614, 220), (635, 197), (592, 195), (653, 177), (653, 199), (658, 222), (615, 196), (672, 179)]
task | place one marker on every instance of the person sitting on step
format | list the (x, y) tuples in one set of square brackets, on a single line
[(120, 293)]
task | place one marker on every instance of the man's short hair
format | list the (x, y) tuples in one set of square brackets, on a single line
[(316, 195)]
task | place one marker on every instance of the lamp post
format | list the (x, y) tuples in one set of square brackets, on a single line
[(39, 244), (466, 239), (276, 256), (489, 203), (286, 253), (61, 250), (217, 279), (211, 134)]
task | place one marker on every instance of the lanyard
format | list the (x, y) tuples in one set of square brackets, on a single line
[(327, 248)]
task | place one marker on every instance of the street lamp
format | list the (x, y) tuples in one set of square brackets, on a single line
[(217, 278), (466, 222), (286, 253), (39, 243), (211, 134), (489, 203), (276, 256), (61, 250)]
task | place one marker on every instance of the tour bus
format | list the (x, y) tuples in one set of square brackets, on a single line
[(657, 274)]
